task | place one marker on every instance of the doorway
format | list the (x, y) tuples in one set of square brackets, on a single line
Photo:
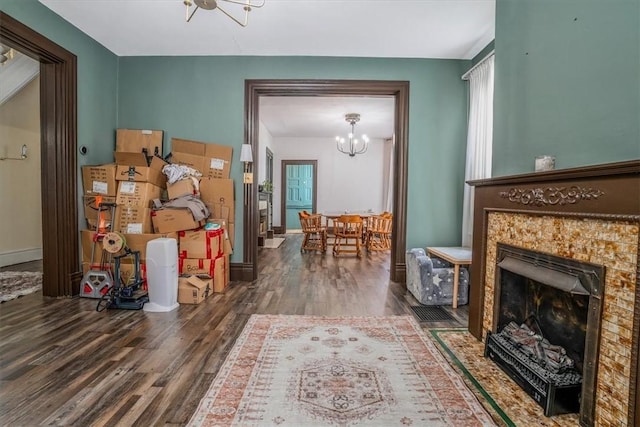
[(58, 163), (299, 184), (399, 90)]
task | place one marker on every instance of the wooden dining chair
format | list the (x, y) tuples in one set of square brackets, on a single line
[(315, 234), (378, 234), (348, 235)]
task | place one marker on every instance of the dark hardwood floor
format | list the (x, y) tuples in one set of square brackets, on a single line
[(63, 363)]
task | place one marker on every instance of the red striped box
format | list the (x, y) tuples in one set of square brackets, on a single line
[(205, 244), (196, 266)]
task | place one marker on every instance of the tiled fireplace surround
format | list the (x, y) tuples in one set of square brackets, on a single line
[(589, 214)]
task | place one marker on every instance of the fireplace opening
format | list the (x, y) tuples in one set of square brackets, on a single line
[(546, 328)]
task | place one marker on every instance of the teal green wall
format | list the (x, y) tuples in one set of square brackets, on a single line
[(567, 83), (202, 98)]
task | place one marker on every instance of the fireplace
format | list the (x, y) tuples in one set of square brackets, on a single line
[(547, 312), (588, 215)]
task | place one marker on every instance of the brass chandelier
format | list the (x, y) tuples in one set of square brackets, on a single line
[(352, 145), (214, 4)]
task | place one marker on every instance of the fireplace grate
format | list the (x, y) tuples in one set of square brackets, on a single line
[(556, 393)]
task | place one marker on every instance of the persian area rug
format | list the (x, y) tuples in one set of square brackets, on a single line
[(14, 284), (337, 371)]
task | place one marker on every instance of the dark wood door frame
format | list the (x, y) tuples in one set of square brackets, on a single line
[(58, 124), (254, 89), (283, 186)]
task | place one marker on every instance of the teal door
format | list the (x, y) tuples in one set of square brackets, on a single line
[(299, 193)]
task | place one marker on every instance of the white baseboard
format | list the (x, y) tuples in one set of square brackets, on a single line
[(18, 257)]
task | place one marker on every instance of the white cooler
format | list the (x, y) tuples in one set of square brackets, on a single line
[(162, 275)]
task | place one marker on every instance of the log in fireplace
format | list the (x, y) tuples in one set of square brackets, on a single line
[(548, 311)]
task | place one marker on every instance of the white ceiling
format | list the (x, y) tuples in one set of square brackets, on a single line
[(452, 29), (323, 117)]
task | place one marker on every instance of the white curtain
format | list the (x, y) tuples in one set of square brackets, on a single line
[(479, 138)]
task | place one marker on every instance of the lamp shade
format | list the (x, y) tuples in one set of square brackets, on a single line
[(245, 153)]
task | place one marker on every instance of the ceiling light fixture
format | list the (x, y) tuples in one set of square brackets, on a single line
[(214, 4), (352, 145)]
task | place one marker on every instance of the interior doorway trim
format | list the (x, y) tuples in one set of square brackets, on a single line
[(254, 89), (58, 124), (283, 186)]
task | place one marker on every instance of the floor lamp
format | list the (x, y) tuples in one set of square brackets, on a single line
[(246, 156)]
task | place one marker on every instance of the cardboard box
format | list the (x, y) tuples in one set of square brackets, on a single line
[(196, 266), (189, 153), (201, 244), (212, 160), (134, 167), (90, 204), (139, 140), (127, 272), (135, 242), (174, 219), (227, 269), (181, 188), (221, 274), (194, 289), (218, 195), (185, 146), (218, 163), (99, 180), (131, 193), (227, 247), (138, 242), (87, 243), (133, 220)]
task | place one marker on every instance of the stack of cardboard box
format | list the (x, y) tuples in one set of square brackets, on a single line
[(206, 252), (132, 182), (135, 179)]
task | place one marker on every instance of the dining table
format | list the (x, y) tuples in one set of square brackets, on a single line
[(331, 216)]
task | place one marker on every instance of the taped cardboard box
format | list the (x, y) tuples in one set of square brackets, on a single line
[(174, 219), (196, 266), (139, 141), (135, 242), (194, 289), (217, 268), (227, 245), (135, 167), (133, 220), (131, 193), (201, 243), (99, 180), (218, 195), (181, 188)]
